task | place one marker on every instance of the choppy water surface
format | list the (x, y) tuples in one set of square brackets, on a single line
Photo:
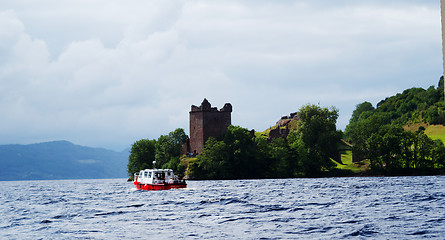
[(329, 208)]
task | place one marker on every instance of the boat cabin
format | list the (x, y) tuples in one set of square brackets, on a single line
[(155, 176)]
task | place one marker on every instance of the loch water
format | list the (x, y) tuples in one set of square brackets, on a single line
[(320, 208)]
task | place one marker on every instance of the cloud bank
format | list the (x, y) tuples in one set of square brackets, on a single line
[(107, 73)]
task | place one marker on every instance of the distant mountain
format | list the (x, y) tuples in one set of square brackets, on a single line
[(60, 160)]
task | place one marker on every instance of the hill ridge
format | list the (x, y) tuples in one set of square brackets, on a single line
[(60, 160)]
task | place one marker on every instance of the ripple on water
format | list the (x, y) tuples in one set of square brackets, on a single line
[(331, 208)]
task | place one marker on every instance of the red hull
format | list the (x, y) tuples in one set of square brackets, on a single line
[(159, 186)]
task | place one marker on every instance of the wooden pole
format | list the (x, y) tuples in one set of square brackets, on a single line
[(442, 13)]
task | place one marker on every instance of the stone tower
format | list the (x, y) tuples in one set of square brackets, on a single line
[(206, 122)]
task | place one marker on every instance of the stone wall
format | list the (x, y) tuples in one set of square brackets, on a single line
[(207, 121)]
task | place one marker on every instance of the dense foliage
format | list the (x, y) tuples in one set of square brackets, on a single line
[(392, 150), (317, 132), (239, 154), (229, 158), (414, 105), (142, 155), (168, 148), (377, 133), (161, 153)]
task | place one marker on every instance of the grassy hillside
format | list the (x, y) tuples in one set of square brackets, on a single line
[(433, 131), (436, 132)]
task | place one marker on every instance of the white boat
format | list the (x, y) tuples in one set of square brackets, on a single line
[(157, 179)]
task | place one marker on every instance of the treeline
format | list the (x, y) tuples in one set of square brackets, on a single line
[(307, 152), (414, 105), (238, 154), (377, 134)]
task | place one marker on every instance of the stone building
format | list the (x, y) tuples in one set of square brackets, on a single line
[(282, 128), (207, 121)]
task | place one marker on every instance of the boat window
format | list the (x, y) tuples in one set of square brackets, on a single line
[(149, 175), (145, 174)]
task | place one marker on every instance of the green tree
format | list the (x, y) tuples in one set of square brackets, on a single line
[(165, 152), (213, 162), (359, 133), (235, 156), (438, 155), (284, 160), (392, 150), (424, 150), (241, 146), (168, 148), (317, 130), (142, 155), (302, 163), (359, 110)]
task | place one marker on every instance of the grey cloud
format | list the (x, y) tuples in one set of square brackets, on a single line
[(108, 73)]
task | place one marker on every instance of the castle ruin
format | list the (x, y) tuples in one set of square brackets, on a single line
[(207, 121)]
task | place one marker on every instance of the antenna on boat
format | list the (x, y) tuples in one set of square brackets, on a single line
[(154, 164)]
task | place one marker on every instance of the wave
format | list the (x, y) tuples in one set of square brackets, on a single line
[(132, 206), (271, 209), (223, 201), (365, 231), (109, 213), (230, 219)]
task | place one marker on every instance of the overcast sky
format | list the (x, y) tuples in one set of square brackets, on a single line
[(106, 73)]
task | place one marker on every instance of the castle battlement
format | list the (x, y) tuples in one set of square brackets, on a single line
[(207, 107)]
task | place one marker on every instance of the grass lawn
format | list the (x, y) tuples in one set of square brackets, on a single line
[(436, 132), (346, 158), (432, 131)]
